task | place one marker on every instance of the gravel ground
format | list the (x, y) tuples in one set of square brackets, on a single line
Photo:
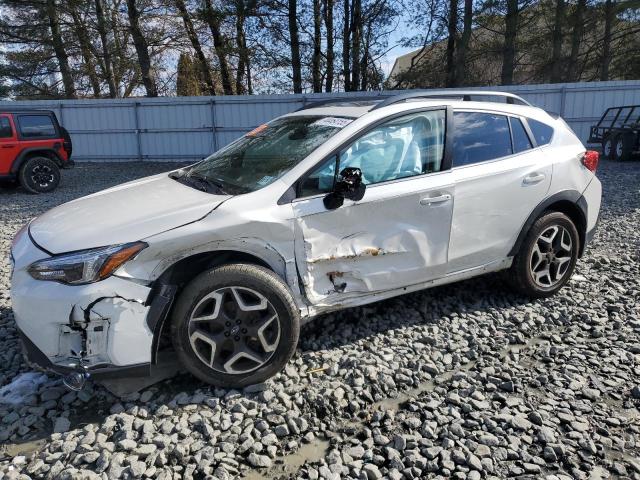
[(462, 381)]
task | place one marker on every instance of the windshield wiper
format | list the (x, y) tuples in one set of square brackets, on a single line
[(198, 181)]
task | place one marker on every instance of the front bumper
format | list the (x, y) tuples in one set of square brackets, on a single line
[(100, 326), (37, 359)]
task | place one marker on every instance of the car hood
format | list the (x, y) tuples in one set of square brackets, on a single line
[(125, 213)]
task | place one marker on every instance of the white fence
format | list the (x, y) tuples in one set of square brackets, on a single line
[(189, 128)]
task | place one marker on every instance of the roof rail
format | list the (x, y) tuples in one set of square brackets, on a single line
[(465, 95), (309, 103)]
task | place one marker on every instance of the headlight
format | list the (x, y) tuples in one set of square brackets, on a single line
[(86, 266)]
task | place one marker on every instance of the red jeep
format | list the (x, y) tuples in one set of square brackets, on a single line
[(33, 148)]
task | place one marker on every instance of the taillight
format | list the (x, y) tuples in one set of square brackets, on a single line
[(590, 160)]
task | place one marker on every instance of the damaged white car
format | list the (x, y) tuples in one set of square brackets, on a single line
[(325, 208)]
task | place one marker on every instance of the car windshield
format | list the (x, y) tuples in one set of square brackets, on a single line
[(262, 155)]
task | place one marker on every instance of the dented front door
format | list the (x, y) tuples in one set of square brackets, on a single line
[(397, 235)]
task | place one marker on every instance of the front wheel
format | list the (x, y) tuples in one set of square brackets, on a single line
[(39, 175), (547, 257), (235, 325)]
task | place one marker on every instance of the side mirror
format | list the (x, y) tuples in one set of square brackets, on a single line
[(348, 186)]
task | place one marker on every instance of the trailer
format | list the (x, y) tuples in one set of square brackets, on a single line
[(618, 132)]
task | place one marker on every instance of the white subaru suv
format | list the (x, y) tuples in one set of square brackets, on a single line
[(330, 207)]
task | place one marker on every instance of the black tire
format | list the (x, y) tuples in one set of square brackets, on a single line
[(256, 280), (607, 147), (624, 146), (39, 175), (522, 271)]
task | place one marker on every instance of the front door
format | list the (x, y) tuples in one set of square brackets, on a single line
[(398, 233), (8, 144), (500, 179)]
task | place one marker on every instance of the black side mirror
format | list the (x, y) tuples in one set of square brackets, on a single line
[(348, 186)]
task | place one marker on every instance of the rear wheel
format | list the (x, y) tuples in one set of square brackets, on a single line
[(547, 256), (39, 175), (235, 325)]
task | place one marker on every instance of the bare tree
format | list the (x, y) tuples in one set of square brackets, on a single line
[(452, 29), (294, 41), (142, 49), (317, 47), (105, 63), (59, 49), (203, 63), (328, 22), (509, 47), (609, 18), (556, 43), (212, 18)]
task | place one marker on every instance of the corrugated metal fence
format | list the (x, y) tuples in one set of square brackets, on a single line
[(189, 128)]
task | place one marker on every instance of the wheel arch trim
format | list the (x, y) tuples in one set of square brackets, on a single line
[(570, 202), (26, 153)]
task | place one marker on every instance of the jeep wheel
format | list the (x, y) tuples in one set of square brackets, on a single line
[(547, 256), (607, 147), (39, 175), (235, 325)]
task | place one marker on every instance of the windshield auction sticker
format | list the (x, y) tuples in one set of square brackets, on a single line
[(335, 122)]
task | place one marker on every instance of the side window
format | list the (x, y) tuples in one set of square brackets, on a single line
[(320, 180), (35, 126), (521, 140), (541, 131), (5, 128), (479, 137), (400, 148)]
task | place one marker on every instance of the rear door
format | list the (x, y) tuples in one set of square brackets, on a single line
[(8, 143), (499, 179)]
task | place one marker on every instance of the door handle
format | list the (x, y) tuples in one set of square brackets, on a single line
[(435, 200), (8, 145), (533, 178)]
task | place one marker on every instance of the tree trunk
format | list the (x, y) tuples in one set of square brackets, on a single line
[(218, 44), (295, 46), (142, 49), (317, 47), (576, 39), (59, 50), (195, 43), (452, 30), (609, 18), (356, 43), (241, 41), (463, 45), (346, 46), (556, 50), (85, 47), (106, 52), (328, 22), (509, 48)]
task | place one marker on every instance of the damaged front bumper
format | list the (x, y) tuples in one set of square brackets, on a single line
[(99, 328)]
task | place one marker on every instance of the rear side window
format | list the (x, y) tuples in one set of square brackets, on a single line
[(5, 128), (36, 126), (541, 131), (521, 140), (479, 137)]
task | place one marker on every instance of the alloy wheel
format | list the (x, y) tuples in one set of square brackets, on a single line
[(234, 330), (42, 175), (551, 256)]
